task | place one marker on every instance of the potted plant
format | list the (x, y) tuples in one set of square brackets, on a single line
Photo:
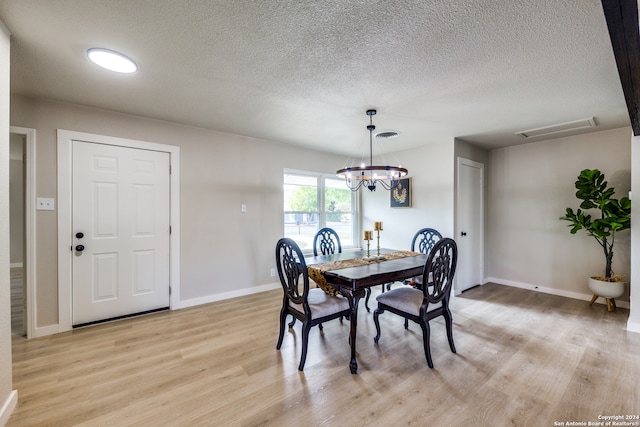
[(613, 216)]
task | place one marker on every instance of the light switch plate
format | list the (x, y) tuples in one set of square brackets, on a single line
[(45, 204)]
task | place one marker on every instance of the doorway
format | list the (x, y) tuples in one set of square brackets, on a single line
[(68, 240), (22, 227), (469, 224), (17, 232)]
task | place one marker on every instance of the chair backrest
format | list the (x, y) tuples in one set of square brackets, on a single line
[(426, 238), (291, 268), (328, 241), (439, 270)]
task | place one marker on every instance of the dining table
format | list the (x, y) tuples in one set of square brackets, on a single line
[(352, 272)]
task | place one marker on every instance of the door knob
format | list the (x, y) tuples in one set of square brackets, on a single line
[(79, 235), (463, 233), (80, 248)]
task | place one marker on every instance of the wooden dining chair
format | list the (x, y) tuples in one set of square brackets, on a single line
[(423, 305), (310, 306), (328, 241), (422, 242)]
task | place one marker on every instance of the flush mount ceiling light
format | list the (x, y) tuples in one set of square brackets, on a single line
[(112, 60), (370, 176)]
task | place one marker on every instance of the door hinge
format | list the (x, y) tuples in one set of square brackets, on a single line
[(169, 169), (169, 229), (169, 290)]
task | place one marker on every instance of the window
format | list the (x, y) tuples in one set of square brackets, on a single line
[(313, 201)]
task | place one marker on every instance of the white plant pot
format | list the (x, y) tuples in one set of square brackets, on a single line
[(606, 289)]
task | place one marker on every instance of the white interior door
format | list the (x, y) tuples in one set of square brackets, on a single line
[(469, 225), (120, 227)]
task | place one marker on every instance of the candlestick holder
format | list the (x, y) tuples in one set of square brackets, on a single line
[(368, 236), (378, 256)]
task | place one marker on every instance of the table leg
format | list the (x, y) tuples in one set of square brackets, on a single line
[(354, 299)]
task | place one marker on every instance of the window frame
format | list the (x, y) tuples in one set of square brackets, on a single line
[(322, 214)]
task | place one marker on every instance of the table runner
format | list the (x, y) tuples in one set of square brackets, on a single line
[(316, 271)]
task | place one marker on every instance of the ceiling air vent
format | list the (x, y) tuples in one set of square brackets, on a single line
[(559, 128), (387, 134)]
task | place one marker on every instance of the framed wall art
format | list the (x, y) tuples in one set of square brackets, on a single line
[(401, 194)]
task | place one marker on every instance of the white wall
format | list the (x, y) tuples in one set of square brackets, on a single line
[(431, 169), (529, 188), (222, 250), (8, 397)]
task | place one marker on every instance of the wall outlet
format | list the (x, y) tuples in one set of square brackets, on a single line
[(273, 272)]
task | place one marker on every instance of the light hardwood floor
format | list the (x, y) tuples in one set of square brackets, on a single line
[(524, 359)]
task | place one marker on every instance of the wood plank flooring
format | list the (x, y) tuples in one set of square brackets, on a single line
[(524, 359)]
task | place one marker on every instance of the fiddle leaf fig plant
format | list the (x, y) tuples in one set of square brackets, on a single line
[(613, 215)]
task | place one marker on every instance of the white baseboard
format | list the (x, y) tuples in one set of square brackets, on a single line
[(227, 295), (633, 326), (46, 330), (7, 408), (552, 291), (55, 329), (16, 265)]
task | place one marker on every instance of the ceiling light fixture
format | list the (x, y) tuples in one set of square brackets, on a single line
[(369, 176), (112, 60)]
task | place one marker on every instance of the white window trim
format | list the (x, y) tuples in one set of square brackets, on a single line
[(355, 205)]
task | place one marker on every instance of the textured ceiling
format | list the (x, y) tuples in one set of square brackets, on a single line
[(305, 72)]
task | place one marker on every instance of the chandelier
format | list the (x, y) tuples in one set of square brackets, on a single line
[(370, 176)]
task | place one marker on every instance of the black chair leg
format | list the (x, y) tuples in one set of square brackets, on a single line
[(305, 343), (366, 299), (448, 321), (320, 326), (377, 312), (426, 332), (406, 323), (283, 320)]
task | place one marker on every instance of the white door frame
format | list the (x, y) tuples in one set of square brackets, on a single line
[(65, 255), (29, 270), (457, 227)]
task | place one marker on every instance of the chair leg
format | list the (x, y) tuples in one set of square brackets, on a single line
[(283, 320), (406, 323), (320, 326), (366, 300), (376, 313), (448, 321), (305, 343), (426, 332)]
